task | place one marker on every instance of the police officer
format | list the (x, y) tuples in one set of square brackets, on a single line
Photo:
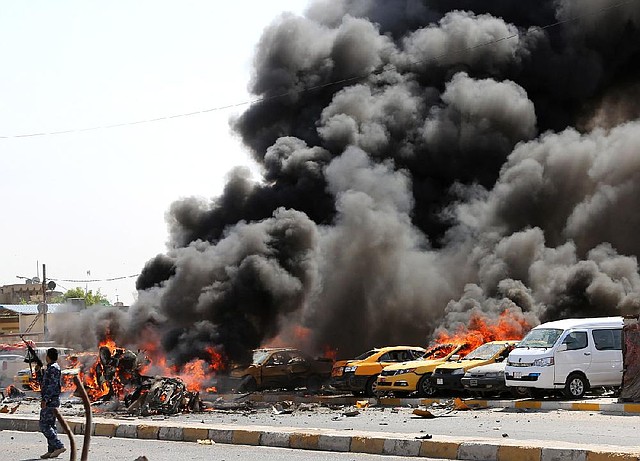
[(50, 386)]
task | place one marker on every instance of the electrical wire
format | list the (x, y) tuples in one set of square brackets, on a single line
[(316, 87), (111, 279)]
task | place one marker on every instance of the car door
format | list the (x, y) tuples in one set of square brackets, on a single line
[(275, 370), (299, 366), (576, 357), (606, 362)]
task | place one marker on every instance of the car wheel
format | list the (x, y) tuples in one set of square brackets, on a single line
[(248, 384), (576, 386), (520, 392), (371, 386), (425, 389)]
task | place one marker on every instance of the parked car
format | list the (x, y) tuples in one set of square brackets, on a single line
[(24, 378), (571, 355), (10, 364), (489, 380), (449, 375), (360, 374), (275, 368), (407, 377)]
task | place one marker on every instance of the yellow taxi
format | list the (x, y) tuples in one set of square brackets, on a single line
[(448, 376), (405, 378), (359, 375)]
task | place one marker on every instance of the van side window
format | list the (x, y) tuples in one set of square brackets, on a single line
[(608, 340), (576, 340)]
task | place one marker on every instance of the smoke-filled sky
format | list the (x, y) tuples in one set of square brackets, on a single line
[(414, 175)]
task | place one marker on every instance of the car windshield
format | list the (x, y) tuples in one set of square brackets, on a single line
[(365, 355), (484, 352), (260, 356), (541, 337)]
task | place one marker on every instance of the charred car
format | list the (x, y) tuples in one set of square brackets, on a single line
[(281, 368), (360, 375)]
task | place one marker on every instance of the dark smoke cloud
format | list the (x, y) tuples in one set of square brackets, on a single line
[(426, 178)]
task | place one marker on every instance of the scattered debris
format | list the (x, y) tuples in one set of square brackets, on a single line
[(423, 413), (283, 408), (505, 435), (362, 404), (205, 442), (424, 437), (459, 405), (350, 413), (12, 392), (307, 406), (12, 410)]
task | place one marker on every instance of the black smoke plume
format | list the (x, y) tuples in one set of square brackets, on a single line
[(431, 159)]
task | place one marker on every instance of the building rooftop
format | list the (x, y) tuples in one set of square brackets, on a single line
[(29, 308)]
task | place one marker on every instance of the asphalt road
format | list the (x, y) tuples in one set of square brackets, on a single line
[(25, 446), (556, 425)]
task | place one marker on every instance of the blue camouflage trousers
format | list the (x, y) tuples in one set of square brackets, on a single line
[(48, 428)]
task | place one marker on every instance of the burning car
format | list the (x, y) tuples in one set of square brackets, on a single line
[(408, 377), (449, 375), (273, 368), (360, 374)]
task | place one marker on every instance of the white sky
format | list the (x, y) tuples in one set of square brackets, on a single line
[(95, 201)]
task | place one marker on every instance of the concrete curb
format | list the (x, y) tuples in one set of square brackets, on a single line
[(624, 408), (460, 448)]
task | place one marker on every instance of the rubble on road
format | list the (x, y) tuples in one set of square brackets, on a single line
[(283, 408), (160, 395)]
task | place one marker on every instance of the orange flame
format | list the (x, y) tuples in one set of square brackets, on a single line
[(330, 353), (194, 373), (481, 329)]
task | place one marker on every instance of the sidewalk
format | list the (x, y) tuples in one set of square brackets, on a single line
[(385, 443)]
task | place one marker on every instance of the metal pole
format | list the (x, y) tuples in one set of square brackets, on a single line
[(44, 301)]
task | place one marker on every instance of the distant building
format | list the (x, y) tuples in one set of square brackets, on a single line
[(15, 319), (20, 293)]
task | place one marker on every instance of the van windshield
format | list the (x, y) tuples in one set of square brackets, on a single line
[(541, 337)]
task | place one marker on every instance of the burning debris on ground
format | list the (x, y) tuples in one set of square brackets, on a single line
[(164, 396)]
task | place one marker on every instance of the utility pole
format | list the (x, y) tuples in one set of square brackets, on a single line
[(45, 308)]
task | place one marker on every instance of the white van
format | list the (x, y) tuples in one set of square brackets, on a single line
[(573, 355)]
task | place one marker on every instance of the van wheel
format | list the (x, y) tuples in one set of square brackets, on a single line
[(520, 392), (576, 386), (425, 389)]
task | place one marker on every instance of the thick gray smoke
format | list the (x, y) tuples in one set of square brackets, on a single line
[(429, 175)]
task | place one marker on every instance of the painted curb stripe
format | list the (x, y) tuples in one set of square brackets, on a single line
[(339, 443), (510, 453)]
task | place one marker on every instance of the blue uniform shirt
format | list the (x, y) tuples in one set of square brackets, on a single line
[(50, 386)]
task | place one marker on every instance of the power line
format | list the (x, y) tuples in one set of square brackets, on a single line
[(111, 279), (315, 87)]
